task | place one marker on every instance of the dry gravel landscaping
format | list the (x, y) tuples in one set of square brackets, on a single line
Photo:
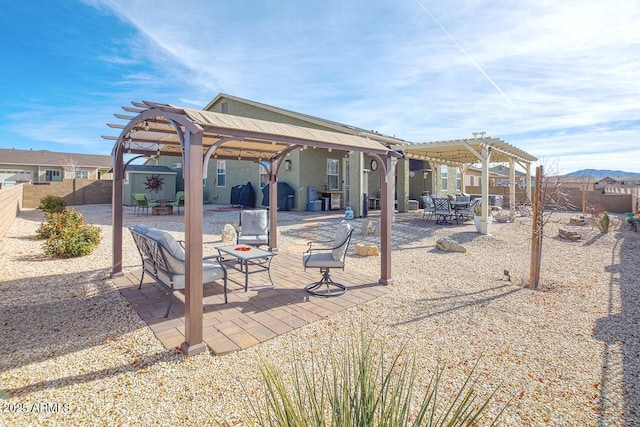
[(73, 353)]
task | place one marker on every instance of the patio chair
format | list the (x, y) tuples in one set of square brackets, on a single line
[(327, 258), (142, 202), (467, 213), (254, 227), (443, 210), (163, 259), (428, 206), (178, 201)]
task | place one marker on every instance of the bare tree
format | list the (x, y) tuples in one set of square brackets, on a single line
[(70, 164)]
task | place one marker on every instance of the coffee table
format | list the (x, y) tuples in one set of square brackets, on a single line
[(246, 256)]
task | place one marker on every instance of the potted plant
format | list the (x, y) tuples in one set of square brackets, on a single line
[(477, 218)]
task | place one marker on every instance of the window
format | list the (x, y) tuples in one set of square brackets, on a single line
[(458, 180), (81, 174), (221, 168), (472, 180), (263, 175), (332, 174), (444, 175), (51, 175)]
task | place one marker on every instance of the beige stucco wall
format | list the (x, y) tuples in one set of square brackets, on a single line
[(10, 205)]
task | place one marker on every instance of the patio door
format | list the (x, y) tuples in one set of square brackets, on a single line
[(346, 176)]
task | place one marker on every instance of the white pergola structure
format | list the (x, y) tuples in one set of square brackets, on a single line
[(161, 129), (484, 150)]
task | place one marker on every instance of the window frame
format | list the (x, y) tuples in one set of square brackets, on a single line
[(333, 164), (444, 177), (221, 172)]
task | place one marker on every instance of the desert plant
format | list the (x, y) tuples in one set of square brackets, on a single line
[(603, 223), (51, 204), (357, 388), (477, 211), (67, 235)]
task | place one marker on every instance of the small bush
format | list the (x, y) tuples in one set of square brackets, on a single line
[(67, 235), (51, 204)]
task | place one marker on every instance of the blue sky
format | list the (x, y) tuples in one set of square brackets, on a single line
[(558, 79)]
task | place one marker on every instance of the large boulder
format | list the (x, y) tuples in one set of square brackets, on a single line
[(449, 245)]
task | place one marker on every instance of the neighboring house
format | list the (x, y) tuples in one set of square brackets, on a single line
[(585, 183), (48, 166)]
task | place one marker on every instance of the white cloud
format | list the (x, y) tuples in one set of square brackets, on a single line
[(570, 68)]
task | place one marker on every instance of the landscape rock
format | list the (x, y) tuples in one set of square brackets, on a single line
[(367, 249), (228, 233), (449, 245)]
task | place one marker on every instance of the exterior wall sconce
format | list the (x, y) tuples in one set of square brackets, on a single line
[(287, 165)]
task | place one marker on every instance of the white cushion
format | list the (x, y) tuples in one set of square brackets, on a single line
[(211, 270), (260, 239), (320, 259), (342, 232), (254, 222)]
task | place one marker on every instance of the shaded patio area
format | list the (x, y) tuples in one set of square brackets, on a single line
[(262, 313)]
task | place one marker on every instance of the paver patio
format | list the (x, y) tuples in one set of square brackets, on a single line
[(252, 317)]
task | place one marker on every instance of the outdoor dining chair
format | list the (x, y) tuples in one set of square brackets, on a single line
[(142, 202), (443, 210), (428, 206), (178, 201)]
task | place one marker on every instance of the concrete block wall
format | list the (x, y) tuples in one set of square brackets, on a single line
[(10, 205), (73, 192)]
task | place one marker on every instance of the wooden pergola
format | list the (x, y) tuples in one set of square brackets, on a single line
[(484, 150), (164, 130)]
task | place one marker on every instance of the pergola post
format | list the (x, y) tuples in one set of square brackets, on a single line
[(387, 184), (512, 189), (484, 222), (273, 205), (116, 211), (193, 215)]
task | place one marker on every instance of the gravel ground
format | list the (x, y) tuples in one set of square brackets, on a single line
[(72, 352)]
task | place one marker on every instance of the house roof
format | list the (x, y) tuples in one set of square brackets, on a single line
[(339, 127), (51, 158), (226, 136)]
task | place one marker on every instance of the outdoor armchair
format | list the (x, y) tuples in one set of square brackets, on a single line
[(254, 227), (327, 258)]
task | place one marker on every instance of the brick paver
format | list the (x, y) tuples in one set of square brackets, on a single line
[(264, 312)]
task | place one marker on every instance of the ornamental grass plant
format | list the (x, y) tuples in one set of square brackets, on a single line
[(356, 387)]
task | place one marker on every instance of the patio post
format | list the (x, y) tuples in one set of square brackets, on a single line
[(273, 205), (193, 245), (387, 184), (116, 211), (512, 189)]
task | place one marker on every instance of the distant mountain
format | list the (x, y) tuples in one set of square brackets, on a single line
[(601, 173)]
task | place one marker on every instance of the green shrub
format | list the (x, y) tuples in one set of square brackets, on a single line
[(67, 235), (356, 388), (51, 204)]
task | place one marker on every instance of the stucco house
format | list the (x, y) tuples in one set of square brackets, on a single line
[(48, 166), (341, 176)]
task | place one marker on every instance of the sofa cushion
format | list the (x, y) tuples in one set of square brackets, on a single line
[(211, 270), (173, 251)]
